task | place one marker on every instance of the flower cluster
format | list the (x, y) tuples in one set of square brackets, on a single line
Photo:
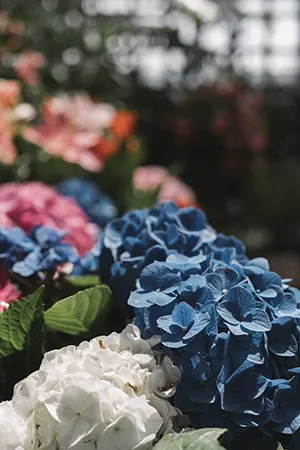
[(29, 204), (230, 324), (41, 251), (108, 393), (169, 188), (12, 114), (97, 206), (141, 237), (82, 131)]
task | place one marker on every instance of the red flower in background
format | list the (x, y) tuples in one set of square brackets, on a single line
[(28, 65), (82, 131), (170, 188), (29, 204)]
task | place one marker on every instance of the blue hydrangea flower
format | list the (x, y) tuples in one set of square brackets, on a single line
[(242, 390), (43, 250), (242, 314), (98, 206), (182, 325), (157, 285)]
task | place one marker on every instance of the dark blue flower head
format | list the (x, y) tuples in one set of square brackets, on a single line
[(229, 323), (145, 236), (98, 206)]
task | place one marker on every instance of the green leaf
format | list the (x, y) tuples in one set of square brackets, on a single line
[(205, 439), (76, 314), (21, 325), (84, 281)]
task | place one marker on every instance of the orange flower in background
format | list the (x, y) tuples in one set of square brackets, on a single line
[(82, 131), (170, 188), (28, 65), (123, 124), (12, 113)]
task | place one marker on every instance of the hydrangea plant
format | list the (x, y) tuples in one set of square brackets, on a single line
[(229, 323)]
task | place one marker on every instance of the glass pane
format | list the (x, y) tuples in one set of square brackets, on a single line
[(252, 33), (215, 38), (280, 65), (285, 6), (250, 62), (251, 6), (285, 33)]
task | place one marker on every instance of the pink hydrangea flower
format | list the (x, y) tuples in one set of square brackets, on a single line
[(8, 292), (151, 178), (29, 204), (27, 66)]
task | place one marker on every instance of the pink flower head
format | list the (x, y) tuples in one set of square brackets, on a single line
[(8, 292), (75, 129), (27, 66), (151, 178), (29, 204)]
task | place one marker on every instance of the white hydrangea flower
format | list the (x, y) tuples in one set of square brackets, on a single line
[(106, 394)]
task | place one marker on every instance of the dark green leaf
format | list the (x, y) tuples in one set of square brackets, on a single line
[(76, 314), (205, 439), (21, 325)]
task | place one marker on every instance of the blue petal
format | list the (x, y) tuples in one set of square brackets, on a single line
[(183, 315), (201, 321), (242, 297), (172, 340), (229, 312), (257, 320), (165, 323)]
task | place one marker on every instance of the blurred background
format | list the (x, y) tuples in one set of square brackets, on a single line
[(214, 86)]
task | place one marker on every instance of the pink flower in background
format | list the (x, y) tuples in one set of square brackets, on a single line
[(8, 292), (149, 178), (170, 188), (29, 204), (28, 65), (175, 190), (81, 131)]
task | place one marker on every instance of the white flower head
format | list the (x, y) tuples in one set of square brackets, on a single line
[(109, 393)]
